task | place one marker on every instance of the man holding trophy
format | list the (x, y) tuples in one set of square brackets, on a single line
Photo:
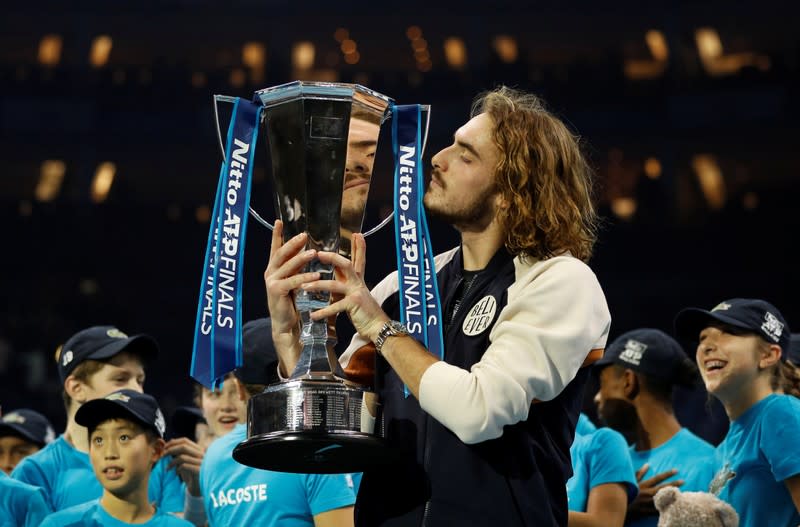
[(481, 430)]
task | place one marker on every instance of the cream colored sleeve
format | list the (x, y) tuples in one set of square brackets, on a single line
[(556, 314)]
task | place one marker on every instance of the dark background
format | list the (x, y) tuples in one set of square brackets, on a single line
[(134, 260)]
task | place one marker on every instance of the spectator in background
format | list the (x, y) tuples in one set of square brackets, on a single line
[(91, 364), (126, 438), (21, 505), (637, 376), (22, 432), (741, 349), (273, 498), (221, 408)]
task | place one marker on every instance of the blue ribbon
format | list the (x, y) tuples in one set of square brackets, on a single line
[(218, 327), (420, 304)]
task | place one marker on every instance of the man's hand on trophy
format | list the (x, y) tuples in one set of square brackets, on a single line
[(281, 278), (349, 292)]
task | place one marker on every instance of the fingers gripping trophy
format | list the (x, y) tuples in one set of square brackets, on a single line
[(321, 139)]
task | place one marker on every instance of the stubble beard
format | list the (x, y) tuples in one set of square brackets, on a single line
[(476, 215)]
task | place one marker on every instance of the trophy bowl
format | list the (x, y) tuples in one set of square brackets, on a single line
[(319, 136), (313, 426)]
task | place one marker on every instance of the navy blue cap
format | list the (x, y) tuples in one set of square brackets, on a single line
[(28, 424), (139, 407), (184, 421), (794, 349), (650, 352), (749, 314), (101, 342), (259, 359)]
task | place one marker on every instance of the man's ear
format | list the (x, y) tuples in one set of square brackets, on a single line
[(240, 389), (76, 389), (770, 355), (631, 385)]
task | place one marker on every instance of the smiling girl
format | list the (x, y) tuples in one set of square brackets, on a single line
[(741, 352)]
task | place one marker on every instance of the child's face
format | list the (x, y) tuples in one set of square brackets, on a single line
[(14, 449), (223, 409), (123, 371), (122, 455), (728, 359)]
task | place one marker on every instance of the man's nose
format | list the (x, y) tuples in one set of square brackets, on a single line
[(439, 160)]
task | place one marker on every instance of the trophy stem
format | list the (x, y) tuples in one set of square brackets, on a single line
[(317, 359)]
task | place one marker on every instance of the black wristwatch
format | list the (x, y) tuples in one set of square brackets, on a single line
[(392, 328)]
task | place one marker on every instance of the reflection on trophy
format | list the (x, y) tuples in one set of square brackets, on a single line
[(322, 139)]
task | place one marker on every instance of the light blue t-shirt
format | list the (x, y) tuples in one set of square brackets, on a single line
[(585, 425), (692, 457), (758, 454), (92, 514), (21, 505), (65, 475), (235, 494), (597, 458)]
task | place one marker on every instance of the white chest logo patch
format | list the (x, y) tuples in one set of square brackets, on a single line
[(480, 316)]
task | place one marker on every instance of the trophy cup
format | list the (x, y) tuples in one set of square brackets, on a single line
[(319, 137)]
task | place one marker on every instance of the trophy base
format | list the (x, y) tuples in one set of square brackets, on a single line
[(323, 425), (311, 453)]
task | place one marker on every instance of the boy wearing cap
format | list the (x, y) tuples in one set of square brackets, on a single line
[(238, 495), (637, 375), (741, 348), (91, 364), (126, 438), (22, 432)]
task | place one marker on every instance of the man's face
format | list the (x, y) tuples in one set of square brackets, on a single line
[(613, 405), (121, 456), (123, 371), (362, 142), (14, 449), (462, 190)]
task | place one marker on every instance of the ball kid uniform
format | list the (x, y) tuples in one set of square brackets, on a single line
[(236, 494), (585, 425), (92, 514), (21, 505), (692, 457), (475, 449), (758, 454), (598, 458), (65, 475)]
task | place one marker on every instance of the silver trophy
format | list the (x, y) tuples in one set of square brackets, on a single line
[(321, 139)]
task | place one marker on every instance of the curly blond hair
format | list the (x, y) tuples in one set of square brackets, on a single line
[(543, 176)]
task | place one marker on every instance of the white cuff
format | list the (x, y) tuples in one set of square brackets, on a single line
[(193, 510)]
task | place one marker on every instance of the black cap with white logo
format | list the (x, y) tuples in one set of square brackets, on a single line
[(128, 404), (749, 314), (102, 342), (29, 425), (653, 353)]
